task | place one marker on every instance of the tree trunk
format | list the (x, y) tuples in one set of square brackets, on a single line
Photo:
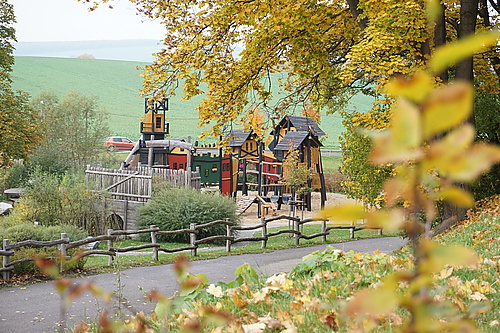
[(353, 7), (440, 38), (464, 71)]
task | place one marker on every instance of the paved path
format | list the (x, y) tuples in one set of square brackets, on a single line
[(36, 308)]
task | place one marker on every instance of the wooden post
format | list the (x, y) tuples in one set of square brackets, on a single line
[(6, 274), (264, 232), (323, 230), (296, 227), (151, 153), (228, 234), (192, 239), (110, 245), (188, 168), (64, 251), (153, 241)]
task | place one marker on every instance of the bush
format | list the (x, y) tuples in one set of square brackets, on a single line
[(176, 208), (333, 180), (55, 201), (28, 231)]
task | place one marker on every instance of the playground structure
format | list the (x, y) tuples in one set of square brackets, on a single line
[(243, 164)]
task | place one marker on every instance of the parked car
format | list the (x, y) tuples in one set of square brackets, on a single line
[(114, 143)]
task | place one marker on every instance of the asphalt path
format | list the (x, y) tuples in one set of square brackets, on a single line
[(38, 307)]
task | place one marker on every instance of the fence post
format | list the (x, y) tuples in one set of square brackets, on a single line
[(351, 232), (324, 231), (110, 245), (153, 241), (296, 227), (6, 274), (192, 238), (64, 251), (380, 232), (264, 232), (229, 232)]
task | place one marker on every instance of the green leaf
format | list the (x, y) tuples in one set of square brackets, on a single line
[(163, 307), (247, 273)]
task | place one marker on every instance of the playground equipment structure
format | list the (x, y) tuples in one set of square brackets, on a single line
[(243, 164)]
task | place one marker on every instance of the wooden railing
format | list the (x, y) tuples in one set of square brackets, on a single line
[(64, 243), (136, 184)]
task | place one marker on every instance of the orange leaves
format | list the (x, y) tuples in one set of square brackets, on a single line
[(188, 282)]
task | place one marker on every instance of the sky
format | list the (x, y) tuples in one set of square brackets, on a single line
[(69, 20)]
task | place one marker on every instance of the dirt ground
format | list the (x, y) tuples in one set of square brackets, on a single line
[(250, 217)]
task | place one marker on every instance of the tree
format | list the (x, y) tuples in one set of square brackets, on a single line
[(327, 50), (19, 124), (75, 128)]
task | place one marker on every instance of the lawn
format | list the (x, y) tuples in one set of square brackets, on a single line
[(117, 83), (283, 241)]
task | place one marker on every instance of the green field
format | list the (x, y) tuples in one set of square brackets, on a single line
[(117, 84)]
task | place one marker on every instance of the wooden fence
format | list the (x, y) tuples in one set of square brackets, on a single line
[(132, 187), (136, 184), (295, 229)]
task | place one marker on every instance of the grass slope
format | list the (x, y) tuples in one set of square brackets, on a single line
[(117, 84)]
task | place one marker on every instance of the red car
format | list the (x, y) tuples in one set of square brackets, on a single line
[(114, 143)]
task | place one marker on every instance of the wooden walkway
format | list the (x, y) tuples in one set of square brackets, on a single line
[(243, 203)]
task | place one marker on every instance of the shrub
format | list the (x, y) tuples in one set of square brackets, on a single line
[(14, 176), (30, 267), (28, 231), (333, 180), (176, 208), (55, 201)]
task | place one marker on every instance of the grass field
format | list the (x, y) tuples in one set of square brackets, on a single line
[(117, 84)]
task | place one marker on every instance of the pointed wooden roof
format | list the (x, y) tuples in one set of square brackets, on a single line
[(238, 137), (302, 123), (292, 141)]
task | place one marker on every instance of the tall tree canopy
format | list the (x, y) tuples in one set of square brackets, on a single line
[(19, 125), (328, 49)]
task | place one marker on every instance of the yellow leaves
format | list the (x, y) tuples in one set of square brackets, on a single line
[(379, 301), (280, 281), (387, 219), (446, 108), (343, 213), (456, 196), (415, 88), (401, 141), (453, 52)]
